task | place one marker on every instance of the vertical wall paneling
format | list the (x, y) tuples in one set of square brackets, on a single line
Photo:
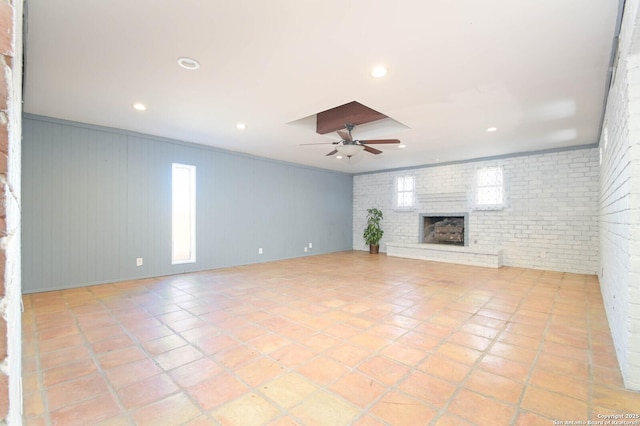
[(95, 199)]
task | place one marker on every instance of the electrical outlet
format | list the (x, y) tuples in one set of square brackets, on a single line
[(139, 261), (310, 245), (305, 249), (260, 250)]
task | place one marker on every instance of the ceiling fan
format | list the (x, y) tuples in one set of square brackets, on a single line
[(349, 147)]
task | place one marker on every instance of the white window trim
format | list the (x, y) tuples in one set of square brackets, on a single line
[(476, 185), (397, 207), (192, 213)]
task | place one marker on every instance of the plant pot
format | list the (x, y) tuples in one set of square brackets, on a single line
[(374, 249)]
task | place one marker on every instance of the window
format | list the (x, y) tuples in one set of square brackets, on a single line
[(183, 214), (489, 188), (405, 193)]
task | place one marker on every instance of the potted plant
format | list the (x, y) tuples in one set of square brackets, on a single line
[(373, 233)]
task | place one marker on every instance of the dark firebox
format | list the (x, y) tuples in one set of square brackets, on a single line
[(444, 230)]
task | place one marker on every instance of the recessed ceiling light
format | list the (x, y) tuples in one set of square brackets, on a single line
[(492, 129), (241, 126), (139, 106), (188, 63), (379, 71), (402, 146)]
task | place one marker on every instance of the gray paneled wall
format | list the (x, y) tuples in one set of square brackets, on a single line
[(95, 199)]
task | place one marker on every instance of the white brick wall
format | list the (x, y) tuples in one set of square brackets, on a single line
[(550, 218), (619, 203)]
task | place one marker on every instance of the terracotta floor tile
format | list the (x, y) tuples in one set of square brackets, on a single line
[(564, 366), (385, 370), (288, 390), (68, 371), (322, 370), (520, 340), (348, 354), (250, 409), (260, 370), (553, 405), (126, 374), (211, 344), (177, 357), (217, 390), (420, 341), (495, 386), (314, 341), (65, 342), (565, 385), (251, 331), (112, 344), (119, 357), (367, 420), (97, 334), (461, 354), (514, 353), (427, 388), (445, 368), (163, 344), (469, 340), (369, 341), (174, 410), (358, 389), (195, 372), (531, 419), (399, 409), (404, 354), (452, 420), (320, 342), (87, 412), (32, 405), (324, 408), (64, 356), (505, 367), (72, 392), (481, 410), (268, 343), (147, 391), (617, 399)]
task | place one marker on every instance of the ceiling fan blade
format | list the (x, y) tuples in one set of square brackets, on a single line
[(372, 150), (345, 135), (317, 143), (374, 141), (332, 152)]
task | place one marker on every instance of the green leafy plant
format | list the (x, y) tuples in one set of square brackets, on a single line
[(373, 233)]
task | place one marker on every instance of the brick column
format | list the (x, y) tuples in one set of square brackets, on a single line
[(10, 163)]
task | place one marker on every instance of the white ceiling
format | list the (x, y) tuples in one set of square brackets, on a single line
[(535, 69)]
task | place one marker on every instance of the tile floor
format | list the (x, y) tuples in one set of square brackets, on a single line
[(345, 338)]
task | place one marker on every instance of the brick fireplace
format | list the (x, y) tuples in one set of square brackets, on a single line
[(444, 228)]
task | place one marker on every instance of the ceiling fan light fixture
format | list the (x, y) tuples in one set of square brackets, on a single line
[(188, 63), (401, 146), (241, 126), (339, 157), (349, 150), (492, 129), (139, 106)]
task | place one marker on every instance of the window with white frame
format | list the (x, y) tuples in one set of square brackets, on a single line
[(183, 213), (489, 188), (405, 193)]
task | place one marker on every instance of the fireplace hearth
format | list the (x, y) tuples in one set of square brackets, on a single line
[(443, 229)]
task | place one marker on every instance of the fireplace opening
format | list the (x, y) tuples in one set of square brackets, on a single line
[(443, 230)]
